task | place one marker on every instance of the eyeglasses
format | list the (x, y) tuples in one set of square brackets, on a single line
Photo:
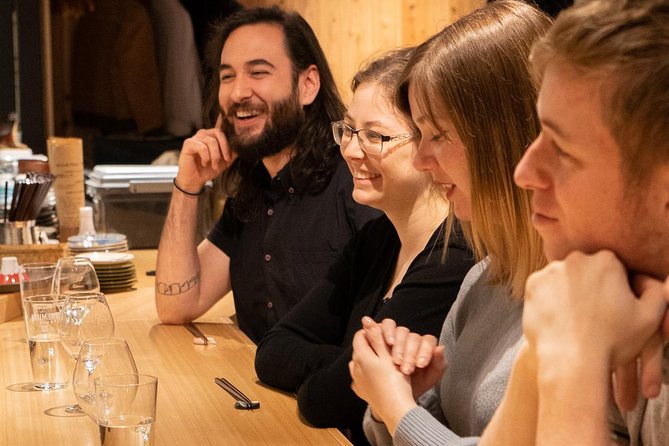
[(370, 141)]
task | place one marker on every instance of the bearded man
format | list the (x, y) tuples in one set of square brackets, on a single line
[(290, 210)]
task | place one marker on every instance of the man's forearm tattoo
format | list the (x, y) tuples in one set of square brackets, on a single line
[(176, 288)]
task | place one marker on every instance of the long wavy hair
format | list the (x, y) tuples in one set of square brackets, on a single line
[(475, 72), (315, 154)]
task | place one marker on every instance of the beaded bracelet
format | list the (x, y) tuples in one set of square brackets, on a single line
[(192, 194)]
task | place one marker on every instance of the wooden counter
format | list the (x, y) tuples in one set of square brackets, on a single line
[(192, 409)]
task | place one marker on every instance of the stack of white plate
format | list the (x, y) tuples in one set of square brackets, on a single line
[(115, 270), (97, 243)]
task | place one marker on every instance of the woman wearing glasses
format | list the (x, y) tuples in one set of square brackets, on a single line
[(469, 90), (393, 268)]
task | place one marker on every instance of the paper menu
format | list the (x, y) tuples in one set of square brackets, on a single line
[(66, 162)]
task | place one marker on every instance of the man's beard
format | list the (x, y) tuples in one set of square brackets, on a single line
[(280, 131)]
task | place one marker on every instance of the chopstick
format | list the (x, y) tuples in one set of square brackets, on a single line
[(29, 192), (196, 332), (243, 401)]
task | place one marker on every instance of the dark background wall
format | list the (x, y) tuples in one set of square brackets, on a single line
[(7, 104), (31, 91)]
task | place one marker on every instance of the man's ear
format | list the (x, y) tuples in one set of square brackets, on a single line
[(309, 83)]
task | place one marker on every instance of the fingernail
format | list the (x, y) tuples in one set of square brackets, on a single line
[(391, 340), (420, 361), (367, 320), (406, 369)]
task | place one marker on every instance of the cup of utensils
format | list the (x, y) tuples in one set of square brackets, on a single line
[(28, 192)]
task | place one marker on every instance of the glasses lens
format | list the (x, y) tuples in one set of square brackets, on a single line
[(337, 130), (371, 141)]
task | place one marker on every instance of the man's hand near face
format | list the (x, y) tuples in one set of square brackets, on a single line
[(585, 302), (203, 157), (582, 320)]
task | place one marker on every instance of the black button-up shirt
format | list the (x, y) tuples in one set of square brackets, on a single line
[(278, 256)]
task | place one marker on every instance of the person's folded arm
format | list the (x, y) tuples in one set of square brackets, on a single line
[(304, 341), (420, 302)]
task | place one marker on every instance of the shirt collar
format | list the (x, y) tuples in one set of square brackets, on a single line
[(281, 184)]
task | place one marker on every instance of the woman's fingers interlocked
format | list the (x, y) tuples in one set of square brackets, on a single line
[(408, 350)]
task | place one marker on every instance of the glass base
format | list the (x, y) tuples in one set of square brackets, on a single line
[(49, 386), (69, 410)]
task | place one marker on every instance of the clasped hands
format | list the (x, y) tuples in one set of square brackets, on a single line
[(584, 309), (392, 366)]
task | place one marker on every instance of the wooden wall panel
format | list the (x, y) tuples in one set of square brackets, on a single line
[(423, 18), (351, 31)]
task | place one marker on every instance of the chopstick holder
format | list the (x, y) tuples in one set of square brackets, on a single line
[(195, 331)]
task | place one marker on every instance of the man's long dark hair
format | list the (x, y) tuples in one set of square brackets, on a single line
[(315, 154)]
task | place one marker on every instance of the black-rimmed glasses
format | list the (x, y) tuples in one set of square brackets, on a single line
[(369, 140)]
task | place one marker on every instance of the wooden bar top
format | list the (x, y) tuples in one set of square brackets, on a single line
[(191, 409)]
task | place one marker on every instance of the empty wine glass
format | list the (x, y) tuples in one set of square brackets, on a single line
[(75, 275), (99, 357), (84, 316)]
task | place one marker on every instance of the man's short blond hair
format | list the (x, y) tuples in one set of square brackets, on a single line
[(625, 44)]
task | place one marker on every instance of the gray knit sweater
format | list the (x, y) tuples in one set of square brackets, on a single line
[(648, 423), (481, 335)]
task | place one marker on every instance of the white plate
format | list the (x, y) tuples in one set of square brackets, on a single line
[(107, 258), (98, 249), (88, 241)]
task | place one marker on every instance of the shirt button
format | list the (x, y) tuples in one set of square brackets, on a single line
[(268, 257), (291, 190), (269, 305), (270, 212)]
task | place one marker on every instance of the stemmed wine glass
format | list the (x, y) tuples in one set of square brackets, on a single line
[(99, 357), (84, 316), (75, 275), (85, 313)]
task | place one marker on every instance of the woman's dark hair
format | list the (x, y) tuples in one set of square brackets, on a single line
[(385, 71), (315, 156)]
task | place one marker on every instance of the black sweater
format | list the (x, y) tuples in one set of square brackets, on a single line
[(309, 349)]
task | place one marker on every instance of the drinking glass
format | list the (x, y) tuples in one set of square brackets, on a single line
[(41, 313), (75, 275), (36, 278), (126, 409), (99, 357), (84, 316)]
